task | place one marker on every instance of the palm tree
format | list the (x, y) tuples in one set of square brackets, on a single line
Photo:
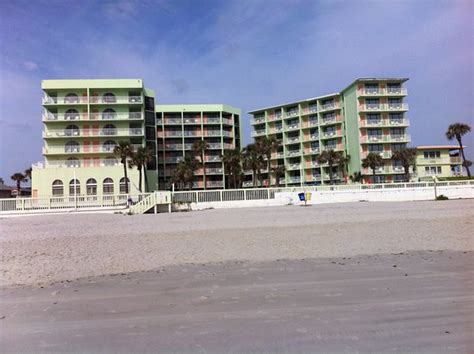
[(356, 177), (279, 171), (124, 150), (232, 160), (19, 177), (407, 157), (330, 157), (140, 159), (372, 161), (183, 175), (266, 146), (456, 131), (343, 163), (253, 160), (200, 147), (28, 173)]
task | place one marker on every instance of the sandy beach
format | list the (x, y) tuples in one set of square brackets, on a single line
[(45, 249)]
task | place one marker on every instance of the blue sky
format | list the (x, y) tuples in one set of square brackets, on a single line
[(247, 54)]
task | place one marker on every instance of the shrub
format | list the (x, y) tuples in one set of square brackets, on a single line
[(441, 197)]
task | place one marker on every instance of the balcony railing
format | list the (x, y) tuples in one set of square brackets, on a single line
[(385, 138), (382, 91), (383, 154), (71, 133), (293, 113), (329, 106), (212, 158), (53, 117), (76, 163), (257, 120), (296, 179), (293, 127), (377, 107), (293, 139), (63, 100), (258, 132), (192, 120), (385, 122), (293, 153), (294, 166)]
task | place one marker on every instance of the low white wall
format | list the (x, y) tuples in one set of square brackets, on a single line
[(231, 204), (382, 195)]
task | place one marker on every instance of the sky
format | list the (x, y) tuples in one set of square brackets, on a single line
[(247, 54)]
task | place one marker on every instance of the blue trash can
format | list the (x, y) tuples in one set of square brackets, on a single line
[(302, 197)]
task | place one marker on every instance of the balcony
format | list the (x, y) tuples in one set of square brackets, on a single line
[(104, 116), (293, 153), (258, 132), (257, 120), (191, 133), (174, 159), (212, 158), (292, 140), (312, 151), (115, 100), (383, 154), (213, 133), (192, 120), (337, 147), (272, 117), (379, 107), (315, 178), (104, 162), (171, 134), (385, 138), (335, 176), (73, 133), (294, 179), (332, 120), (294, 166), (173, 147), (293, 113), (309, 110), (382, 92), (364, 123), (173, 121), (215, 184), (331, 134), (329, 106), (311, 123), (212, 120), (292, 127), (214, 171)]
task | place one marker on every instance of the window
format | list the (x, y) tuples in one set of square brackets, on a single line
[(374, 132), (71, 146), (376, 148), (109, 97), (395, 118), (109, 146), (109, 129), (432, 154), (374, 118), (108, 186), (71, 114), (57, 188), (394, 102), (433, 170), (74, 187), (110, 161), (109, 113), (372, 103), (71, 130), (394, 87), (371, 88), (71, 98), (73, 162), (122, 185), (329, 117), (91, 186)]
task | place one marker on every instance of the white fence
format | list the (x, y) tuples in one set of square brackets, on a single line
[(250, 197), (30, 205), (231, 195)]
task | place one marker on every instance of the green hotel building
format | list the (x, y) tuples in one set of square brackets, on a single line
[(367, 116), (85, 119)]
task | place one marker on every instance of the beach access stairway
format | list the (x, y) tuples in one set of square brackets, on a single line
[(151, 201)]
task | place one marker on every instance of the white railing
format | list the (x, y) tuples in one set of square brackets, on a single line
[(25, 205), (150, 201), (382, 91), (20, 205), (48, 117), (92, 99), (384, 107), (65, 133), (76, 163)]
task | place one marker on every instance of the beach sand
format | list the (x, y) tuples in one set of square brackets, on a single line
[(45, 249)]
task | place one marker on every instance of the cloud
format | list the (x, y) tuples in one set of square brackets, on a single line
[(30, 65)]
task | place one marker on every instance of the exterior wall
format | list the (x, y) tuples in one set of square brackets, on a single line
[(81, 132), (348, 131), (450, 166), (304, 128), (42, 179), (179, 126)]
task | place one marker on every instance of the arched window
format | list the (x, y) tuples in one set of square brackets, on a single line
[(122, 185), (110, 161), (74, 187), (109, 129), (71, 146), (71, 98), (71, 130), (109, 146), (91, 186), (109, 97), (71, 114), (57, 187), (109, 113), (108, 186), (73, 162)]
